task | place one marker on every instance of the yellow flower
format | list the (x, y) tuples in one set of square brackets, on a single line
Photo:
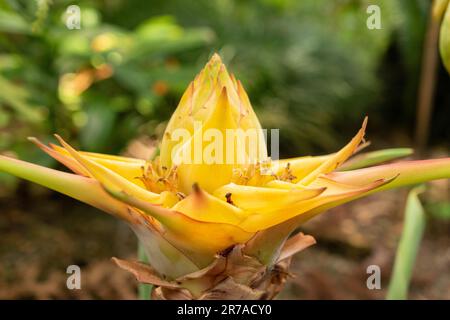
[(188, 212)]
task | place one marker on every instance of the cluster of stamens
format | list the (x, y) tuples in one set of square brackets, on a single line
[(157, 178), (259, 174)]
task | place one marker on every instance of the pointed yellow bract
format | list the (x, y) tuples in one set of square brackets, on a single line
[(259, 199), (338, 158), (202, 206), (214, 104), (109, 178), (129, 168)]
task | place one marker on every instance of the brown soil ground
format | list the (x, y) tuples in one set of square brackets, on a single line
[(42, 233)]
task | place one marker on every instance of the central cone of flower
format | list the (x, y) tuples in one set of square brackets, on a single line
[(213, 107), (213, 228)]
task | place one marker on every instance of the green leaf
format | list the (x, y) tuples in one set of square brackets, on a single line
[(439, 210), (11, 22), (414, 226), (372, 158), (17, 98), (97, 133)]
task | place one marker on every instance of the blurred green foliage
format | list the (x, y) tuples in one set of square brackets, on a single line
[(408, 247), (439, 210), (311, 67)]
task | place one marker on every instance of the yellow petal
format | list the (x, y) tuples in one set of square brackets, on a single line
[(262, 199), (338, 158), (130, 168), (193, 170), (335, 187), (93, 155), (65, 158), (132, 171), (265, 220), (109, 178), (300, 167), (202, 206), (279, 184)]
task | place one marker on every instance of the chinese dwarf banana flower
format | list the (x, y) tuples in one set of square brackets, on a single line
[(218, 230)]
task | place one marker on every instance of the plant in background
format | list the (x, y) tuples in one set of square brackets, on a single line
[(219, 231), (441, 10)]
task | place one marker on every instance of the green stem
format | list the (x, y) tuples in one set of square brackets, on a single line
[(144, 290)]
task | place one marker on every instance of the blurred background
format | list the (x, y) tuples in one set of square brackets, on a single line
[(310, 67)]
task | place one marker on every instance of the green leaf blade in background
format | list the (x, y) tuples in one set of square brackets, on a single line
[(408, 247), (375, 157)]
